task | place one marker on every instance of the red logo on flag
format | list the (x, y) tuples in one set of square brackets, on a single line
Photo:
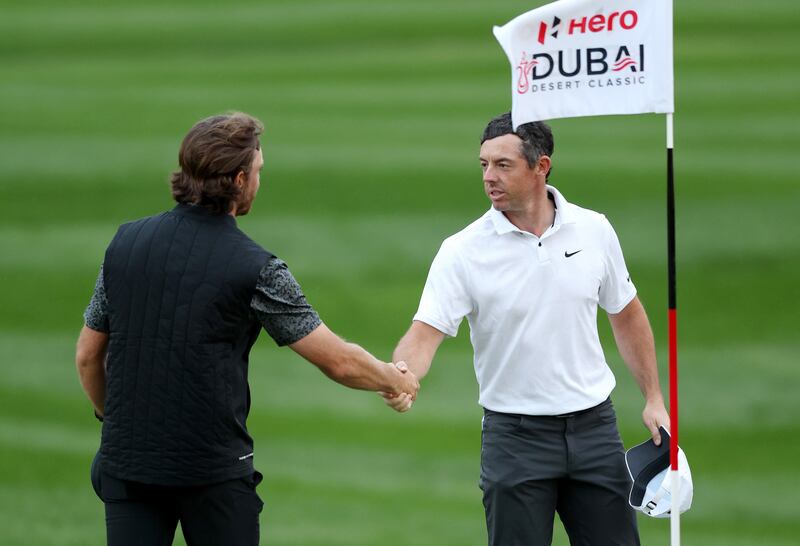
[(524, 69), (543, 30), (625, 20), (623, 63)]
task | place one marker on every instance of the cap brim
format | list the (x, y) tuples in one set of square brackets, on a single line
[(644, 462)]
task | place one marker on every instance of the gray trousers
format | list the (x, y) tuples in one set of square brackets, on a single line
[(534, 467)]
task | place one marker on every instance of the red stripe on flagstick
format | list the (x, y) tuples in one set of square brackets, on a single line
[(673, 388)]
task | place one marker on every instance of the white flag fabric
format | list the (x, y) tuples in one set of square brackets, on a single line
[(590, 57)]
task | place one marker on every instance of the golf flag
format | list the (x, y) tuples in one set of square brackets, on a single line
[(576, 58)]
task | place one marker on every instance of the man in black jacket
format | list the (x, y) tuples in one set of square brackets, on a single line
[(163, 356)]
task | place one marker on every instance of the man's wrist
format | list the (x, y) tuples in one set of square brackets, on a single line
[(391, 378), (653, 395)]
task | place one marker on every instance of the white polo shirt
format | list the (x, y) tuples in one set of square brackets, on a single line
[(531, 303)]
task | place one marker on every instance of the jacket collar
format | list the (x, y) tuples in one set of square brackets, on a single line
[(202, 214)]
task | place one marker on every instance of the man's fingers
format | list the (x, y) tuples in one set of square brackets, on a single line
[(655, 415), (656, 434), (401, 366), (406, 404), (400, 403), (395, 400)]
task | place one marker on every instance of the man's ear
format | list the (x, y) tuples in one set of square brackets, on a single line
[(240, 179), (543, 165)]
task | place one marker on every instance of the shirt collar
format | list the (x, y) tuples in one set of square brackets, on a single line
[(502, 225), (563, 207)]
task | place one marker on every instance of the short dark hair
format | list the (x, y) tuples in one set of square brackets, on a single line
[(212, 154), (536, 136)]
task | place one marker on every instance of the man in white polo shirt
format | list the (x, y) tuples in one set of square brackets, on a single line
[(529, 275)]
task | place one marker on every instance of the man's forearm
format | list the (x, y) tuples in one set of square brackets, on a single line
[(90, 360), (351, 365), (93, 381), (418, 347), (640, 357), (361, 370), (636, 345), (418, 362)]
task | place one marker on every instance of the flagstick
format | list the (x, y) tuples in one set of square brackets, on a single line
[(675, 525)]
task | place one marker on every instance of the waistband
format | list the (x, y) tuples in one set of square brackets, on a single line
[(604, 403)]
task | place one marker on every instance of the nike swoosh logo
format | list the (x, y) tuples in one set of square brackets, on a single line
[(569, 254)]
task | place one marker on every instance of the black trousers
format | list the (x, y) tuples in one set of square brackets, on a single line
[(534, 467), (221, 514)]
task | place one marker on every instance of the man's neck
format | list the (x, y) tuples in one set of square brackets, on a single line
[(537, 216)]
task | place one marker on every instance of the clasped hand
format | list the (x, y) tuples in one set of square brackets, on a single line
[(402, 402)]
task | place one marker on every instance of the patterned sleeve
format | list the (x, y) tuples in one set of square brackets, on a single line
[(96, 314), (280, 306)]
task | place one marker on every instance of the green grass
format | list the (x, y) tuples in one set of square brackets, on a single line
[(372, 113)]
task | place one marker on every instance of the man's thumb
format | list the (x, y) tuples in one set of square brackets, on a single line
[(656, 436)]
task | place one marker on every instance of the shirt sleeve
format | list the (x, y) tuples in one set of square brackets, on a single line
[(445, 299), (96, 314), (616, 289), (280, 306)]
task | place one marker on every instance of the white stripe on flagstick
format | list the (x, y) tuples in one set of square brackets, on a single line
[(675, 514), (670, 134)]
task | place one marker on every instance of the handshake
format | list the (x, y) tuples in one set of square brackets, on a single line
[(405, 391)]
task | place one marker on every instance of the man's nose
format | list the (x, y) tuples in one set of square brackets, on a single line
[(488, 175)]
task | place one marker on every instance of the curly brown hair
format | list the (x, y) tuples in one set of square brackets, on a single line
[(212, 154)]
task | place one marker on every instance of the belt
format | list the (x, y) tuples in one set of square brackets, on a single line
[(561, 416), (581, 412)]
